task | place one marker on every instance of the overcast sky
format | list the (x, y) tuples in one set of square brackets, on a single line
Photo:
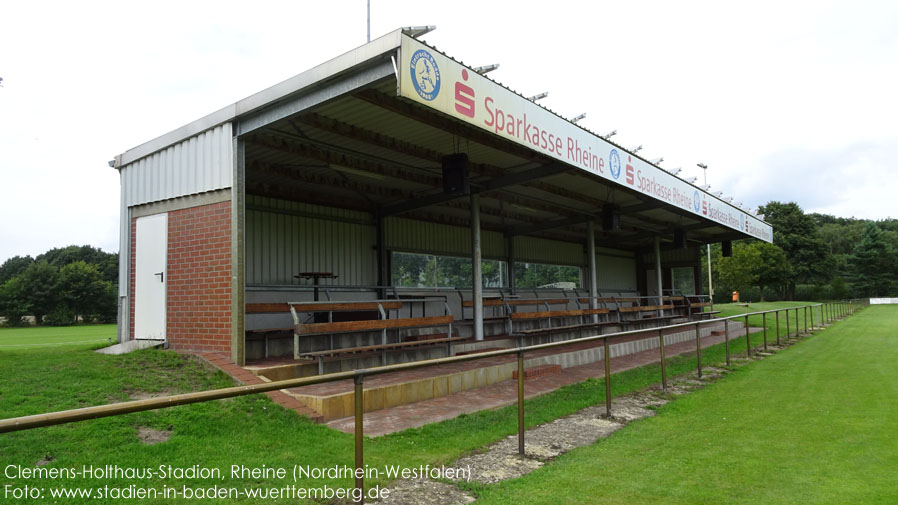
[(790, 101)]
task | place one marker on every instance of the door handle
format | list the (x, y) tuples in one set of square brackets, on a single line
[(161, 276)]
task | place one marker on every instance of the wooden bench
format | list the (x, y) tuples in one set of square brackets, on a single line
[(638, 309), (266, 333), (316, 307), (372, 325), (549, 314)]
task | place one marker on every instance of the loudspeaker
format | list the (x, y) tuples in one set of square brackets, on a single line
[(455, 174), (610, 218), (726, 248), (680, 239)]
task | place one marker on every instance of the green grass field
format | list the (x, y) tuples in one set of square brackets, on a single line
[(47, 336), (814, 424), (250, 431)]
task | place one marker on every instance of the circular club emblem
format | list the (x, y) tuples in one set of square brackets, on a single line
[(697, 202), (425, 75), (614, 161)]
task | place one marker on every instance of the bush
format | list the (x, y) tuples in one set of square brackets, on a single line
[(60, 316)]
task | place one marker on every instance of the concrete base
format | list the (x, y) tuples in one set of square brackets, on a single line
[(130, 346), (381, 396)]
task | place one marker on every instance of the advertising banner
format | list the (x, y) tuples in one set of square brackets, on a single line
[(432, 79)]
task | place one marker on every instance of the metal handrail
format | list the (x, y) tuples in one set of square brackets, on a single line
[(828, 311)]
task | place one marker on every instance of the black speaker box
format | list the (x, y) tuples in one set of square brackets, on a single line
[(610, 218), (680, 239), (455, 174), (726, 248)]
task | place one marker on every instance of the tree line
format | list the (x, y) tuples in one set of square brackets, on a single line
[(60, 287), (812, 257)]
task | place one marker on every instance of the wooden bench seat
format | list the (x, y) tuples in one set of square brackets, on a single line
[(383, 325), (550, 314), (371, 350)]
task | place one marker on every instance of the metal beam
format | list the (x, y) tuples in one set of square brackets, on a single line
[(441, 122), (560, 223), (492, 185), (319, 94)]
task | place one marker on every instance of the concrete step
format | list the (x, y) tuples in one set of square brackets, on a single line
[(538, 371)]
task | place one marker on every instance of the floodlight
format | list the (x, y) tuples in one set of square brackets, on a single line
[(706, 187), (728, 199), (609, 134), (675, 171), (657, 161), (578, 118), (636, 149), (416, 31), (485, 69), (702, 166), (538, 96), (691, 180)]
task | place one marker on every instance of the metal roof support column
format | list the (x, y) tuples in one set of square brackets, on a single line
[(509, 250), (591, 252), (475, 260), (658, 272)]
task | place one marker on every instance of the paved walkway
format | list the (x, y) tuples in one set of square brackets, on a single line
[(382, 422)]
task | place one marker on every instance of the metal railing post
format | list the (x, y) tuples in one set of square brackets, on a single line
[(764, 324), (663, 365), (359, 434), (607, 379), (777, 314), (788, 329), (797, 324), (806, 319), (726, 338), (747, 337), (698, 348), (520, 402)]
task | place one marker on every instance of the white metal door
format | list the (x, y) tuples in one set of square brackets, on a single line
[(150, 277)]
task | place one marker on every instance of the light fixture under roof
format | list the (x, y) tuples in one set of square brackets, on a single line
[(691, 179), (416, 31), (538, 96), (706, 187), (485, 69), (675, 171), (609, 134), (578, 118), (636, 149), (657, 160)]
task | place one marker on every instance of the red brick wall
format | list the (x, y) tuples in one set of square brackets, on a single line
[(198, 278)]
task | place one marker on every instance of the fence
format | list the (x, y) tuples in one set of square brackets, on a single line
[(828, 312)]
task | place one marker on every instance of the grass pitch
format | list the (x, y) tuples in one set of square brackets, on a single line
[(815, 424)]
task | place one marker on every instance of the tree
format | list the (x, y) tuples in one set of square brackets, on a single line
[(106, 263), (14, 266), (755, 264), (737, 271), (874, 265), (81, 290), (12, 307), (797, 234), (39, 289), (772, 269)]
